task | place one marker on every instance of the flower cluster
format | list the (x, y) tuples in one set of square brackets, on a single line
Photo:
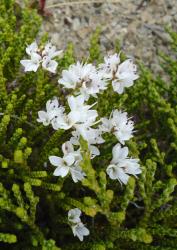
[(89, 80), (84, 78), (119, 125), (121, 166), (69, 163), (44, 57), (77, 226), (81, 118), (122, 74)]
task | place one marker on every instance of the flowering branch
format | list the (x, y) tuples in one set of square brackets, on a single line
[(84, 83)]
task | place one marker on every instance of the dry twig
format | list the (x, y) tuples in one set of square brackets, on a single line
[(81, 2)]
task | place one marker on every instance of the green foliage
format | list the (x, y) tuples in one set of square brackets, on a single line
[(34, 203)]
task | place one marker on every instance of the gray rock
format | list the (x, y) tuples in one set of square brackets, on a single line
[(76, 24), (141, 33)]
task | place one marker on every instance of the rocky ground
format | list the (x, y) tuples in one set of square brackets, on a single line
[(139, 26)]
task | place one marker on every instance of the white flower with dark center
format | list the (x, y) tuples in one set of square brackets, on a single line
[(75, 138), (110, 65), (125, 76), (119, 124), (50, 51), (61, 122), (52, 110), (69, 163), (93, 85), (77, 226), (121, 167), (49, 64), (94, 151)]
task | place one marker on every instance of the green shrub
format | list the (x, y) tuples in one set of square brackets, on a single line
[(34, 203)]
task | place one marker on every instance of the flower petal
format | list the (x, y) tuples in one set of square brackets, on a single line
[(77, 174), (69, 159), (56, 161), (112, 171), (119, 153), (61, 171), (49, 64), (32, 48), (29, 65)]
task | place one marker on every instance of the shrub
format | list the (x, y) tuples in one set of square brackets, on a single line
[(34, 203)]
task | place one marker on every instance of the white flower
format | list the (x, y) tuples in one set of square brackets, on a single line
[(83, 77), (122, 75), (93, 85), (62, 164), (80, 230), (50, 51), (48, 64), (75, 75), (32, 48), (33, 63), (125, 76), (74, 215), (110, 65), (52, 111), (121, 166), (123, 127), (77, 226), (119, 125), (68, 148), (69, 163), (48, 54), (61, 122), (81, 113), (94, 151), (77, 174), (106, 124), (92, 136), (37, 57), (75, 138)]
